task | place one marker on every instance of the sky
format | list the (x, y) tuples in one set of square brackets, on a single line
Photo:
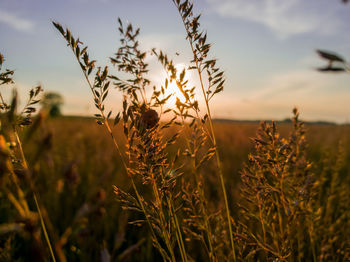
[(266, 48)]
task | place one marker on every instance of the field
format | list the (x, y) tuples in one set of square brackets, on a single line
[(75, 174)]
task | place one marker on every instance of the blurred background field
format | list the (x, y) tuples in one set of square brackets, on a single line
[(78, 166)]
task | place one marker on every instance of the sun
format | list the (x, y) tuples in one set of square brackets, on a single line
[(173, 89)]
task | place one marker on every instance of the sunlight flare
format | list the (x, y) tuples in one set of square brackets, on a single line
[(174, 90)]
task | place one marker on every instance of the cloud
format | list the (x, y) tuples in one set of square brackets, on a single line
[(318, 96), (16, 22), (170, 42), (284, 18), (292, 85)]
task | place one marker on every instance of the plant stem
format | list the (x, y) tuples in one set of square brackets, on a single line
[(162, 222), (25, 166), (202, 202), (2, 99), (139, 199), (43, 226), (218, 161), (177, 225), (202, 197), (175, 222)]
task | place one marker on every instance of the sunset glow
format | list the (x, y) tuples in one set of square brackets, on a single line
[(174, 90)]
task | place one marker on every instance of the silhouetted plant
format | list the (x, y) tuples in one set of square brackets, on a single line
[(276, 189), (333, 58), (16, 175)]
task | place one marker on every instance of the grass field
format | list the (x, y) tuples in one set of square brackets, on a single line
[(75, 174)]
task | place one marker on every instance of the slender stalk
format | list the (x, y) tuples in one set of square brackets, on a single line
[(139, 199), (25, 166), (2, 99), (314, 256), (179, 233), (24, 161), (162, 222), (170, 203), (218, 161), (19, 192), (147, 219), (206, 220), (177, 226), (44, 228), (208, 231), (175, 222), (202, 203)]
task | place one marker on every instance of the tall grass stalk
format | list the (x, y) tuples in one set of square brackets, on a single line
[(131, 59), (44, 228), (199, 54), (101, 76), (174, 76), (202, 198), (74, 45), (26, 169)]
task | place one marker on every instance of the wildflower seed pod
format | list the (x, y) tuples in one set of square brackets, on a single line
[(149, 118)]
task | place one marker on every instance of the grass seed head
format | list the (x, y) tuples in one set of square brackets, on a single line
[(149, 118)]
